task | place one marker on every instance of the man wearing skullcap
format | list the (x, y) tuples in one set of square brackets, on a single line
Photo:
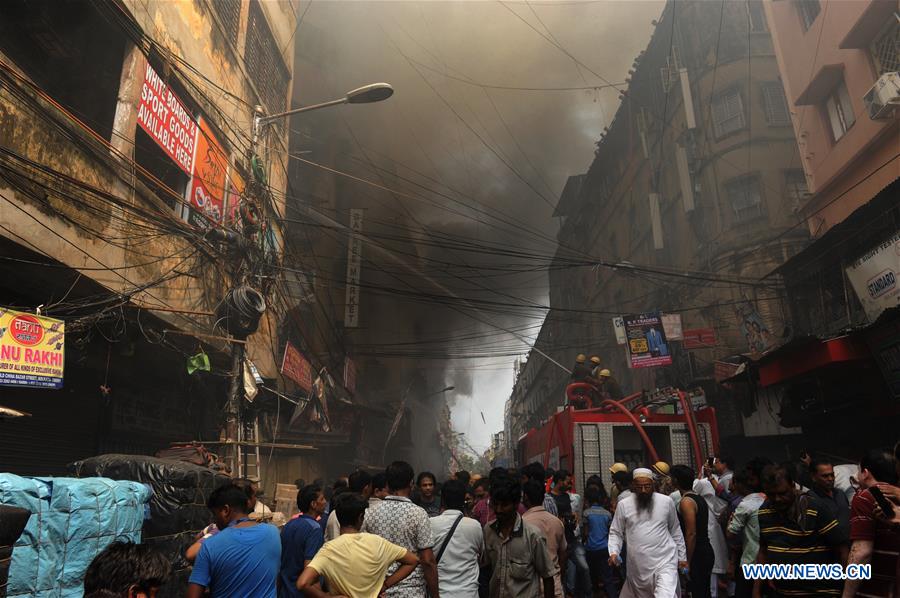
[(648, 523)]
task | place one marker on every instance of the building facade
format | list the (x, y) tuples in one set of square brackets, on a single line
[(839, 63), (690, 202), (126, 142)]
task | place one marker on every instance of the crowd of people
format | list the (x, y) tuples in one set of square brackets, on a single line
[(660, 531)]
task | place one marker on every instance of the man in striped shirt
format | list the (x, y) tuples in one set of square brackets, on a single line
[(794, 530)]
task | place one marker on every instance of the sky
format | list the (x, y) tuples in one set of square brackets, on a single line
[(480, 114)]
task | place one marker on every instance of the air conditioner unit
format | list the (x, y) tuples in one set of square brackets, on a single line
[(884, 97)]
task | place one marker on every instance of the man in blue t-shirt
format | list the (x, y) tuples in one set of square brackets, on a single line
[(243, 558), (595, 527), (301, 539)]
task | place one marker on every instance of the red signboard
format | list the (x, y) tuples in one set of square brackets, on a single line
[(207, 189), (165, 119), (699, 338), (295, 367)]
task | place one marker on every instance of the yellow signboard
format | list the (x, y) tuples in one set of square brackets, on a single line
[(32, 350)]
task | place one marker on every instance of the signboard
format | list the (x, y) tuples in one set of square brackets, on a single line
[(647, 345), (354, 265), (672, 326), (349, 375), (165, 119), (699, 338), (296, 367), (206, 191), (619, 327), (874, 277), (32, 350), (759, 339)]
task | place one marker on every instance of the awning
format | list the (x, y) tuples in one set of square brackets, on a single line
[(794, 359)]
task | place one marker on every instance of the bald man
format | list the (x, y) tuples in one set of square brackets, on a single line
[(648, 522)]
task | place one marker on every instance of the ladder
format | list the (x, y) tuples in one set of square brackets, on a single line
[(248, 467)]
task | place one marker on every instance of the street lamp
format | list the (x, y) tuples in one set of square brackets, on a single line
[(367, 94)]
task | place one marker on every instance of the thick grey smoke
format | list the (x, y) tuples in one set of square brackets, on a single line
[(436, 131)]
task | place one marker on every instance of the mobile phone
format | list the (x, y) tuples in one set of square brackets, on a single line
[(887, 507)]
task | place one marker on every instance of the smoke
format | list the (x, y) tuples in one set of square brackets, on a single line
[(500, 151)]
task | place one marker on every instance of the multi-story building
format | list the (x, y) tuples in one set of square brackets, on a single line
[(839, 63), (125, 139), (689, 204)]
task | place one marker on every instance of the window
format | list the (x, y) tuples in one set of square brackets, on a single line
[(757, 16), (264, 62), (745, 197), (777, 113), (229, 12), (728, 113), (839, 111), (69, 49), (886, 49), (809, 10), (796, 189)]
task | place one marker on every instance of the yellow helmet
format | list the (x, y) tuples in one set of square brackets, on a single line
[(605, 373), (595, 360), (617, 467), (580, 358), (661, 467)]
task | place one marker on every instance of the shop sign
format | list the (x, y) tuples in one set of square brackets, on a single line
[(619, 327), (206, 192), (874, 277), (354, 267), (296, 367), (672, 326), (647, 344), (165, 119), (349, 375), (699, 338), (32, 350)]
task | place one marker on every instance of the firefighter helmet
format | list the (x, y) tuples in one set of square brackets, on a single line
[(605, 373), (580, 358), (617, 467), (595, 360)]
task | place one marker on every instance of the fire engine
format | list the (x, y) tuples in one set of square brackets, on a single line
[(668, 424)]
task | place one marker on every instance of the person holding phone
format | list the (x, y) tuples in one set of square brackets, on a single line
[(874, 541)]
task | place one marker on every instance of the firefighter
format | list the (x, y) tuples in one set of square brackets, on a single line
[(580, 372), (595, 366), (608, 385)]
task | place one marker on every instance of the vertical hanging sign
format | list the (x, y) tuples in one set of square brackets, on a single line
[(206, 192), (165, 119), (354, 264)]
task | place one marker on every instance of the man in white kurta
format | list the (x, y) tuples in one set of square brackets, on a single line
[(648, 523)]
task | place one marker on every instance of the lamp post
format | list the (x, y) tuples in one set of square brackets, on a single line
[(367, 94)]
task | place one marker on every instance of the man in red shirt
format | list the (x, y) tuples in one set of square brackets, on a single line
[(874, 541)]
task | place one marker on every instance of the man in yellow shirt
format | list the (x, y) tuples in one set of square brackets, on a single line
[(354, 563)]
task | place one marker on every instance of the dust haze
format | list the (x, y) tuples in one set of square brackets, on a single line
[(497, 158)]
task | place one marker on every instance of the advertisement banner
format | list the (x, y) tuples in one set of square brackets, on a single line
[(619, 327), (647, 345), (32, 350), (759, 339), (672, 326), (296, 367), (874, 277), (165, 119), (354, 265), (699, 338), (206, 191)]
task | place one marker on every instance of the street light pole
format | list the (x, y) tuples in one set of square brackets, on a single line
[(374, 92)]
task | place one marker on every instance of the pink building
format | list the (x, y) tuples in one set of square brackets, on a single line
[(831, 53)]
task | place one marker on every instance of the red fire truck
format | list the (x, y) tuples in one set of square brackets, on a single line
[(668, 425)]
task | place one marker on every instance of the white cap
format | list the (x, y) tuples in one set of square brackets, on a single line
[(642, 472)]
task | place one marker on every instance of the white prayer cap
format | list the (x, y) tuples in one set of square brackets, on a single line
[(642, 472)]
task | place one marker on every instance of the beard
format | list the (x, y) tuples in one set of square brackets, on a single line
[(644, 502)]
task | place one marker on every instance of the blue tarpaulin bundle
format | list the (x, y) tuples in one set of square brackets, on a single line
[(72, 521)]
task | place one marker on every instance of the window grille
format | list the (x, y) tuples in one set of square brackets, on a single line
[(777, 113), (728, 113), (840, 111), (264, 62), (229, 12), (745, 197), (886, 49), (796, 188)]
